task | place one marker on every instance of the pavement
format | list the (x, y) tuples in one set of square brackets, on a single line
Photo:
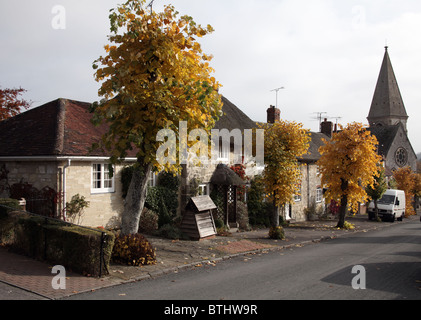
[(173, 256)]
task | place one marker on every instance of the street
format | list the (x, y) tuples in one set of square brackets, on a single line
[(377, 265)]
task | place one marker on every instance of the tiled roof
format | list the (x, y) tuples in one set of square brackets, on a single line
[(63, 128), (59, 128)]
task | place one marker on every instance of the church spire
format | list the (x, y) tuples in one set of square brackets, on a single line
[(387, 107)]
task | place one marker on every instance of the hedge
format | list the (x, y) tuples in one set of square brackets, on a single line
[(8, 205), (78, 249)]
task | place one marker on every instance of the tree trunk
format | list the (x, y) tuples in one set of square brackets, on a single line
[(344, 204), (376, 210), (274, 221), (135, 200), (342, 211)]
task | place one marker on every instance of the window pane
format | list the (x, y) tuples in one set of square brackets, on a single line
[(108, 181), (96, 176)]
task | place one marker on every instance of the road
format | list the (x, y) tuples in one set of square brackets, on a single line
[(389, 260)]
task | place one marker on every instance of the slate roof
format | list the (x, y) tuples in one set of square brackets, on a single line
[(315, 143), (233, 118), (385, 136), (387, 100)]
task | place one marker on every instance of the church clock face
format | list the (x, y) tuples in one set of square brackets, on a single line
[(401, 157)]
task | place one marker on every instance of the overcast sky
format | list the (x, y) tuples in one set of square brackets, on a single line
[(326, 53)]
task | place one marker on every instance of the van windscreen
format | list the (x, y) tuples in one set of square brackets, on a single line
[(387, 199)]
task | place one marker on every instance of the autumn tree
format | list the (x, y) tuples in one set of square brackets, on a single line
[(285, 143), (11, 104), (348, 165), (153, 76), (404, 178), (378, 189)]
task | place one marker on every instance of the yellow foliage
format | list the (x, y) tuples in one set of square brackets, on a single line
[(153, 76), (406, 180), (348, 164), (285, 142)]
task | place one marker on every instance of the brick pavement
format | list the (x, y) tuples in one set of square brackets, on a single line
[(35, 276)]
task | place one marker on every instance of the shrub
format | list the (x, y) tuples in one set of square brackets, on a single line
[(171, 231), (242, 216), (133, 250), (277, 233), (164, 202), (75, 208), (148, 222), (8, 205), (259, 211)]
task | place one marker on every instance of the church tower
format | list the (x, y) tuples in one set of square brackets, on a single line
[(387, 107)]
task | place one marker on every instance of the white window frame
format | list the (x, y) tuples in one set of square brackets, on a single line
[(204, 189), (101, 178), (319, 195), (297, 197)]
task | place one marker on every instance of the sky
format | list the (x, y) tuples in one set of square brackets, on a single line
[(326, 54)]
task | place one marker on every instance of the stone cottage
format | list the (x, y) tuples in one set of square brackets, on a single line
[(46, 157), (311, 190), (48, 148)]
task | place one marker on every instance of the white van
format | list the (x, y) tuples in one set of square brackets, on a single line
[(391, 206)]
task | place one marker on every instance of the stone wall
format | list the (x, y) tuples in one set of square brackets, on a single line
[(105, 208), (401, 141), (309, 184), (38, 174)]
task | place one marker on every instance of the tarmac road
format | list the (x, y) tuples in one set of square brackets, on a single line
[(389, 260)]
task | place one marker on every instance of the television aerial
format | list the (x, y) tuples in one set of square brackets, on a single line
[(277, 90)]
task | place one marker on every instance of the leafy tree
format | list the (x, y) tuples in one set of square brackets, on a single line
[(405, 181), (377, 191), (153, 76), (10, 104), (348, 165), (285, 142)]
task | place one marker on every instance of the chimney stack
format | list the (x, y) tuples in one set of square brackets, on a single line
[(274, 114), (326, 127)]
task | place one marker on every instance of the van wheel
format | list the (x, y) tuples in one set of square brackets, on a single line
[(400, 218), (393, 218)]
